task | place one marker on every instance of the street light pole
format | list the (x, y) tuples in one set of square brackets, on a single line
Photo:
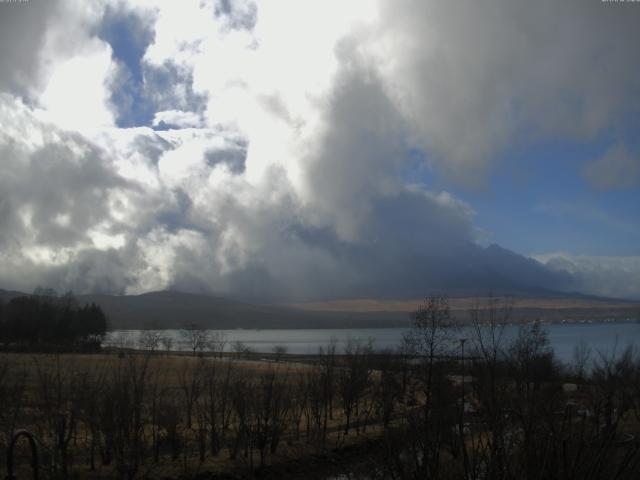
[(463, 444)]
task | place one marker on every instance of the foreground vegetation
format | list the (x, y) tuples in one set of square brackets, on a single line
[(487, 406)]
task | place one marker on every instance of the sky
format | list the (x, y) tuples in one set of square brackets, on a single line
[(291, 150)]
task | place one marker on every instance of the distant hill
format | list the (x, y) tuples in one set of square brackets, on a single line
[(547, 307), (169, 309), (174, 309), (6, 295)]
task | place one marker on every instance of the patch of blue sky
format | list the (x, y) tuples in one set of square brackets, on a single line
[(129, 36), (536, 199)]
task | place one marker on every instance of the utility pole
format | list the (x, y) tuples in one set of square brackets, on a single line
[(463, 444)]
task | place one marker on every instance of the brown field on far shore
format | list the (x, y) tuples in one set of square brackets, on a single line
[(522, 309)]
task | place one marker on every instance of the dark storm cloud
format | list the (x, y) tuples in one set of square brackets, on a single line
[(177, 214), (234, 158), (151, 147), (54, 194), (358, 156), (474, 78), (23, 26)]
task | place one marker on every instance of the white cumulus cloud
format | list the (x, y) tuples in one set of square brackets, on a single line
[(609, 276)]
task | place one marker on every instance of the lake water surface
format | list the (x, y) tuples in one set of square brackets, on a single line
[(563, 337)]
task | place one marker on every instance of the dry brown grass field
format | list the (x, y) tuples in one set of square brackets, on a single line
[(184, 379), (509, 408), (460, 306)]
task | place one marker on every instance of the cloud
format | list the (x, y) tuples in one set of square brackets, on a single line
[(22, 35), (277, 173), (475, 78), (617, 168), (59, 196), (133, 211), (77, 92), (601, 275), (176, 118)]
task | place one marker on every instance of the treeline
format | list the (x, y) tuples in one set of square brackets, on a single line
[(487, 406), (45, 320), (510, 410)]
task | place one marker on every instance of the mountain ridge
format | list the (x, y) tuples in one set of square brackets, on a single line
[(174, 309)]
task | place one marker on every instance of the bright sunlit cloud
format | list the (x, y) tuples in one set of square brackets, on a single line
[(77, 94)]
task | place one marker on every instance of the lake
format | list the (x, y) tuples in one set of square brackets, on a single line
[(563, 337)]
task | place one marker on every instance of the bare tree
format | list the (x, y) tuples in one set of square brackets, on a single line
[(315, 407), (167, 343), (216, 402), (387, 388), (353, 378), (243, 438), (328, 368), (122, 413), (581, 360), (190, 377), (13, 381), (279, 351), (241, 349), (489, 318), (270, 408), (169, 416), (59, 405), (90, 392), (150, 340), (533, 398), (299, 404), (432, 337), (122, 340), (432, 332), (217, 342), (195, 336)]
